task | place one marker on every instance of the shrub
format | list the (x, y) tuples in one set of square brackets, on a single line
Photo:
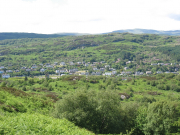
[(98, 112)]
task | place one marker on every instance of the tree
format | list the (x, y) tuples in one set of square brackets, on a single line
[(99, 112), (25, 79), (157, 118)]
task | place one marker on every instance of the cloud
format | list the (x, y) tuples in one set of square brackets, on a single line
[(175, 16), (87, 16)]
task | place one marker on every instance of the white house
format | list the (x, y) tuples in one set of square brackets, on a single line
[(42, 70), (98, 73), (95, 68), (1, 71), (79, 63), (71, 63), (114, 72), (154, 64), (5, 76), (49, 66), (148, 72), (107, 73), (102, 69), (9, 71), (107, 66), (159, 72), (125, 68), (62, 63), (28, 70), (1, 67)]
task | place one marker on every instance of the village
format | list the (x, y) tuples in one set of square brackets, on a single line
[(70, 68)]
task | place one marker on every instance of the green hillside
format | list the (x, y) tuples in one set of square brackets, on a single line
[(119, 100)]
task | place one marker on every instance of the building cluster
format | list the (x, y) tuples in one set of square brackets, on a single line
[(61, 69)]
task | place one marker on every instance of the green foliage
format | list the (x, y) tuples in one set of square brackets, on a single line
[(157, 118), (99, 112), (38, 124)]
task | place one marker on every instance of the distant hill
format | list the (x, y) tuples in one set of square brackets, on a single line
[(11, 35), (149, 31)]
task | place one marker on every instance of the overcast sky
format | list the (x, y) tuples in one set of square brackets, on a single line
[(88, 16)]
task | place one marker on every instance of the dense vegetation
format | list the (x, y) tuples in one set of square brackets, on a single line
[(145, 105), (73, 104)]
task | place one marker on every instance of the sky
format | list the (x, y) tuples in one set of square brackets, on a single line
[(87, 16)]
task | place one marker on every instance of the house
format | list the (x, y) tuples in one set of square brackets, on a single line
[(55, 63), (95, 63), (95, 68), (9, 71), (175, 72), (5, 76), (125, 68), (62, 63), (79, 63), (112, 69), (161, 64), (126, 73), (139, 73), (1, 71), (73, 70), (107, 73), (41, 64), (98, 73), (49, 66), (42, 70), (154, 64), (107, 66), (71, 63), (86, 65), (28, 69), (57, 72), (176, 69), (128, 62), (114, 72), (159, 72), (148, 72), (1, 67), (102, 62), (33, 67), (16, 70), (93, 73), (23, 67), (102, 69), (167, 72)]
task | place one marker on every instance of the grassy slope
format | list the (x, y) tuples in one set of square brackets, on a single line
[(22, 113)]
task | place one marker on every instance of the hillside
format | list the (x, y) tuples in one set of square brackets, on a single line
[(91, 84), (149, 31)]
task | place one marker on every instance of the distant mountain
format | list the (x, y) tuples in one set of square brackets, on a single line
[(11, 35), (149, 31)]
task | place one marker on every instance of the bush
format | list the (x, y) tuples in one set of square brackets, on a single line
[(98, 112), (157, 118)]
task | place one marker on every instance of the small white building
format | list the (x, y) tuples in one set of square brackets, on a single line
[(107, 66), (42, 70), (5, 76), (1, 71), (125, 68), (1, 67), (114, 72), (9, 71), (28, 70), (159, 72), (62, 63), (148, 72), (108, 73)]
